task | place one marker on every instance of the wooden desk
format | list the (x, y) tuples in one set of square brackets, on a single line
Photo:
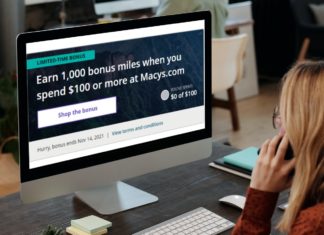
[(179, 189)]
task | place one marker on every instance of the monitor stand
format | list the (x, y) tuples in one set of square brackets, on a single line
[(115, 198)]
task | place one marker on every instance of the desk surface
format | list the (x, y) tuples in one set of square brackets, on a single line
[(179, 189)]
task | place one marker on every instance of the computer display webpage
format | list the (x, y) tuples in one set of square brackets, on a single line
[(94, 93)]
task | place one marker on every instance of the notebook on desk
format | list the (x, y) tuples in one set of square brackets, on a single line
[(240, 163)]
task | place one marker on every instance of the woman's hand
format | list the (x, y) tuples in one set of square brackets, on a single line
[(272, 171)]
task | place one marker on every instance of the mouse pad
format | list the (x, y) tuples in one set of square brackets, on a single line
[(245, 158)]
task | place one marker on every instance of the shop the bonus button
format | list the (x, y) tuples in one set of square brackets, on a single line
[(76, 112)]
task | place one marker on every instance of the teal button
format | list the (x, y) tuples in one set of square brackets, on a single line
[(60, 59)]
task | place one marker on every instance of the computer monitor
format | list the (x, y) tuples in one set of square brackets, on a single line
[(103, 103), (106, 7)]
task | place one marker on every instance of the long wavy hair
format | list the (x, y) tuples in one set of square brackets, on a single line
[(302, 112)]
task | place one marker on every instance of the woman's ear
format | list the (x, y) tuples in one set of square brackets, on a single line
[(282, 131)]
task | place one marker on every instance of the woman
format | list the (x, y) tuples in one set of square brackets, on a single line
[(301, 123)]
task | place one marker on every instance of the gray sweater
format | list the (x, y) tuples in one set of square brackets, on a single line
[(218, 9)]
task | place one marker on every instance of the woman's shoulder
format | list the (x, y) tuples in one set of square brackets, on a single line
[(310, 221), (316, 212)]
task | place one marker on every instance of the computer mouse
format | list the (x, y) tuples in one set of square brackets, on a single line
[(236, 201)]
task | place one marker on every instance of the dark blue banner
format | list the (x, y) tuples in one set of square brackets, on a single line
[(148, 76)]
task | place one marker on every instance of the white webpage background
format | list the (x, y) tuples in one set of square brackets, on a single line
[(65, 43), (174, 123)]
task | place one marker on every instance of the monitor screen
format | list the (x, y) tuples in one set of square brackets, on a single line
[(101, 93)]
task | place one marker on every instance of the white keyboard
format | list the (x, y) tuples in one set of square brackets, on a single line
[(199, 222)]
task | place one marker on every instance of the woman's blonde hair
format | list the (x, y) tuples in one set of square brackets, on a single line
[(302, 110)]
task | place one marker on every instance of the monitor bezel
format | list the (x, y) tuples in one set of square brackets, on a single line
[(28, 174)]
